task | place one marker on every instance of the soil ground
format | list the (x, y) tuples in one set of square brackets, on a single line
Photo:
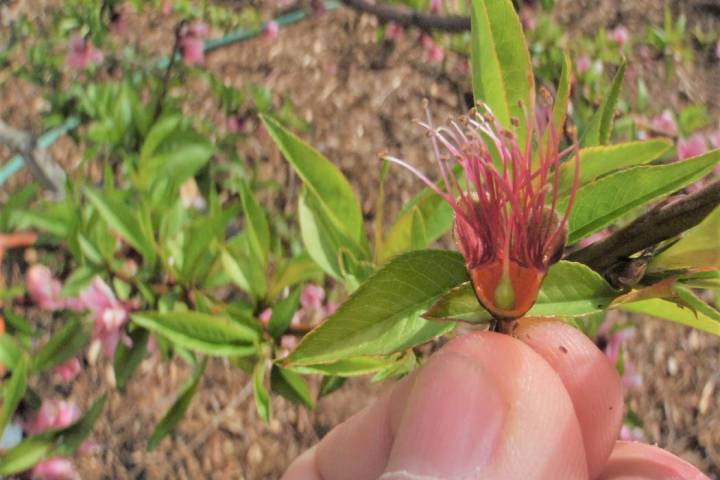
[(360, 99)]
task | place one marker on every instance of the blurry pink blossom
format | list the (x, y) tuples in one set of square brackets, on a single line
[(394, 32), (192, 43), (435, 6), (264, 316), (582, 64), (691, 147), (331, 308), (665, 123), (118, 20), (88, 447), (234, 124), (52, 415), (68, 370), (435, 53), (272, 31), (82, 53), (288, 341), (43, 288), (620, 35), (167, 7), (528, 18), (312, 297), (56, 468), (631, 434), (110, 314)]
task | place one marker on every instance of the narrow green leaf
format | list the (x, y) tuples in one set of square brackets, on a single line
[(234, 271), (210, 334), (127, 359), (600, 128), (262, 397), (699, 247), (688, 298), (177, 411), (25, 456), (9, 352), (296, 270), (569, 290), (502, 73), (291, 386), (282, 314), (161, 130), (17, 322), (382, 316), (562, 98), (601, 160), (64, 344), (257, 225), (348, 367), (418, 237), (323, 179), (601, 202), (330, 384), (668, 310), (13, 391), (121, 219)]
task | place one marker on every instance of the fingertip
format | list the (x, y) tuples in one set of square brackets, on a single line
[(590, 379), (639, 461)]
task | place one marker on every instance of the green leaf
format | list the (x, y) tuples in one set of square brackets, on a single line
[(332, 190), (25, 456), (209, 334), (70, 438), (9, 352), (291, 386), (437, 218), (17, 322), (688, 298), (668, 310), (282, 314), (599, 203), (161, 131), (121, 219), (177, 411), (562, 98), (13, 391), (80, 278), (598, 161), (699, 247), (127, 359), (296, 270), (330, 384), (257, 225), (502, 73), (348, 367), (382, 316), (600, 128), (569, 290), (64, 344), (262, 397)]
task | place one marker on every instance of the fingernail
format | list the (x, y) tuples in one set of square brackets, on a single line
[(452, 423)]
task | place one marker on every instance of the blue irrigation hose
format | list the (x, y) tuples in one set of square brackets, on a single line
[(48, 138)]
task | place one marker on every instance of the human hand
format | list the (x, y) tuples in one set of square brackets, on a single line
[(546, 404)]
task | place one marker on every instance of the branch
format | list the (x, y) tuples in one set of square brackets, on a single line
[(43, 167), (657, 225), (411, 18)]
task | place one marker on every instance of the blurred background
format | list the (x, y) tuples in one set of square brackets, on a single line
[(81, 83)]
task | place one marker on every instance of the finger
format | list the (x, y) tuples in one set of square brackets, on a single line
[(488, 406), (590, 379), (638, 461), (303, 467), (358, 449)]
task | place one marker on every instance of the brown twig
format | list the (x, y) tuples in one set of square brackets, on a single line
[(657, 225), (165, 86), (411, 18)]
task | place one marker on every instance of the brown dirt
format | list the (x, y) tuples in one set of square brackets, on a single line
[(360, 99)]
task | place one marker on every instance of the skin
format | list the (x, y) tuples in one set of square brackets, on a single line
[(541, 403)]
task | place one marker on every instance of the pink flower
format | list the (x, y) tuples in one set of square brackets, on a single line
[(691, 147), (312, 297), (110, 314), (330, 309), (272, 30), (507, 224), (192, 43), (68, 371), (265, 316), (582, 64), (435, 6), (167, 7), (43, 288), (620, 35), (631, 434), (528, 18), (434, 53), (56, 468), (394, 32), (52, 415), (665, 123), (234, 124), (82, 53)]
